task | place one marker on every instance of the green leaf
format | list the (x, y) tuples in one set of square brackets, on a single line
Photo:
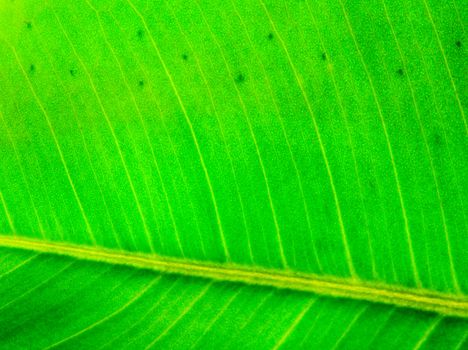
[(227, 174), (59, 302)]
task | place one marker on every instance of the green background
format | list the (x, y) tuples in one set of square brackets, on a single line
[(326, 137)]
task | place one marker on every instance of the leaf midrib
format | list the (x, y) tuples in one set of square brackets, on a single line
[(421, 299)]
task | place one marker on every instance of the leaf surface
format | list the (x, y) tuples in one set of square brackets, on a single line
[(308, 138)]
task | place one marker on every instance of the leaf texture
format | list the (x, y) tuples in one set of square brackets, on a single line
[(309, 138), (57, 302)]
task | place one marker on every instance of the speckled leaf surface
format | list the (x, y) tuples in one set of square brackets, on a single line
[(319, 139)]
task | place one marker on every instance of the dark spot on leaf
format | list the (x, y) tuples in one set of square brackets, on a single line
[(28, 25), (324, 56), (141, 83), (437, 140), (185, 57), (140, 33), (270, 36), (72, 72), (32, 68), (240, 78), (458, 43), (400, 72)]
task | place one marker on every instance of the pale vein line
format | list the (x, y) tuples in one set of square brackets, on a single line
[(24, 262), (313, 320), (426, 254), (104, 319), (423, 231), (241, 156), (33, 155), (163, 123), (4, 257), (350, 141), (328, 323), (37, 286), (114, 136), (449, 72), (349, 259), (431, 162), (283, 129), (270, 324), (390, 150), (249, 318), (59, 149), (428, 332), (21, 167), (192, 131), (372, 169), (23, 175), (85, 146), (356, 171), (350, 326), (53, 213), (254, 139), (7, 213), (258, 102), (161, 317), (458, 15), (462, 341), (116, 189), (294, 324), (218, 120), (184, 312), (145, 131), (381, 326), (439, 113), (148, 312), (217, 317)]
